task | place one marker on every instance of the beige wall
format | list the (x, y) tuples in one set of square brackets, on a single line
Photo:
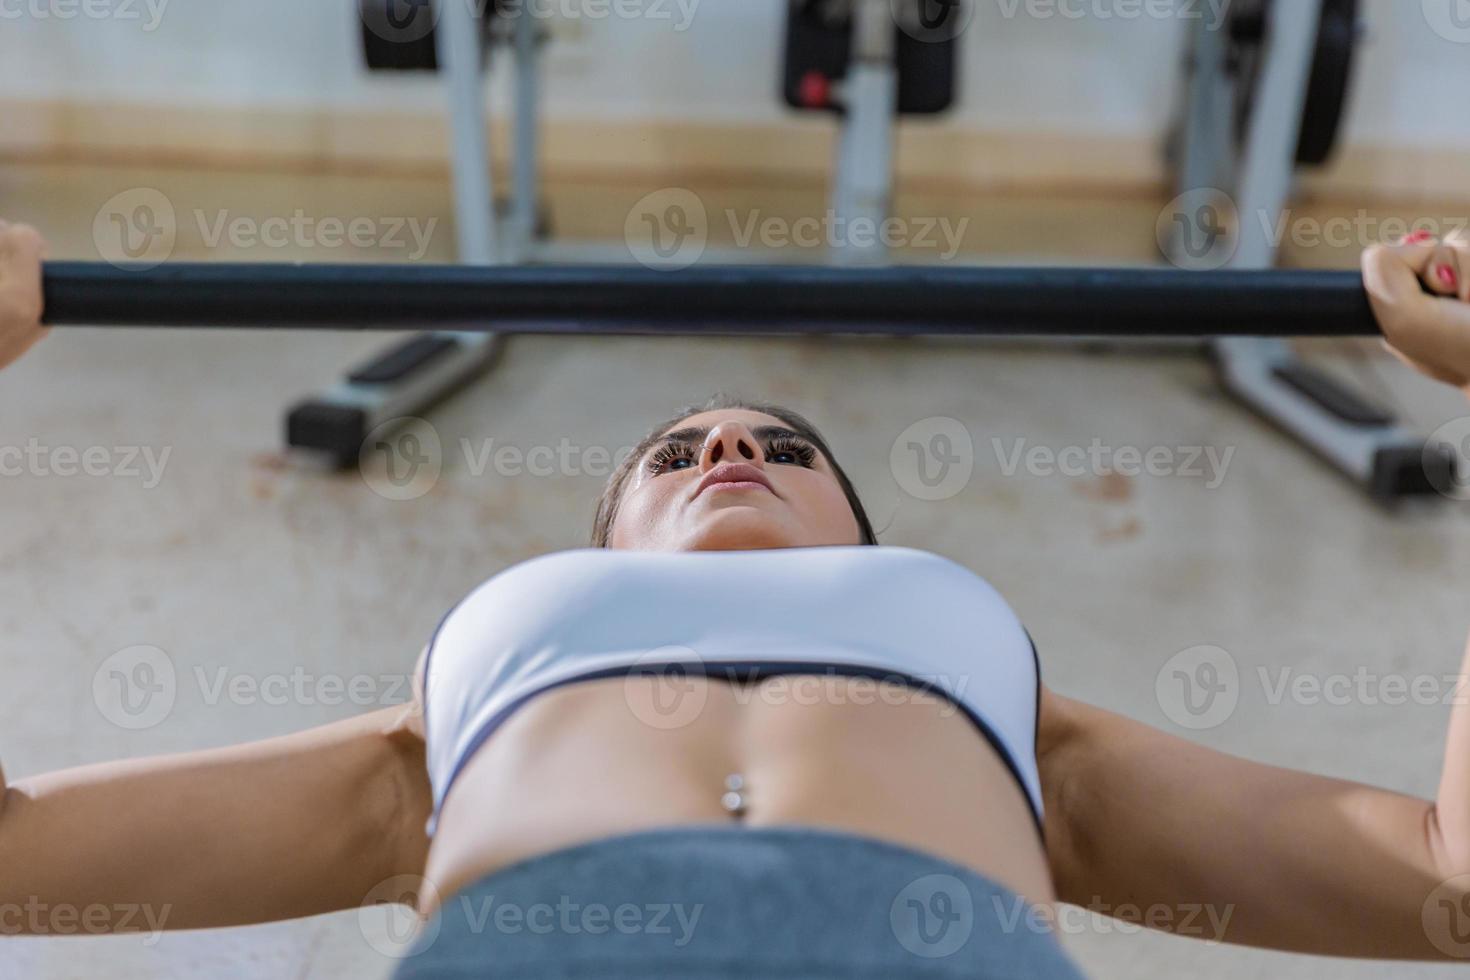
[(1049, 99)]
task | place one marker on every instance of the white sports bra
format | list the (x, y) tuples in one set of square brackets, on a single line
[(884, 612)]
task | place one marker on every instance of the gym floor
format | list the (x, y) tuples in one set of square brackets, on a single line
[(273, 587)]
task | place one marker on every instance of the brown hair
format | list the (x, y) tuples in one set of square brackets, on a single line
[(612, 494)]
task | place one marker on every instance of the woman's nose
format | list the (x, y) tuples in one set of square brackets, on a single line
[(731, 442)]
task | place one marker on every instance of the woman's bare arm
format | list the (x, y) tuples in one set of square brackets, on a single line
[(1157, 830), (1221, 848), (278, 829), (288, 827)]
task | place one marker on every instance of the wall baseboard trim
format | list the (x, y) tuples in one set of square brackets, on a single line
[(933, 158)]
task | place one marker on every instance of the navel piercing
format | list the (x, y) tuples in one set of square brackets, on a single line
[(734, 798)]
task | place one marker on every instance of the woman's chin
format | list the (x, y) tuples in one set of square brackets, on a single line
[(737, 528)]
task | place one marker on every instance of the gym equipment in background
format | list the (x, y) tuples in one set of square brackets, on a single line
[(1266, 96), (852, 57), (878, 69), (457, 37), (402, 35), (824, 46), (1329, 82)]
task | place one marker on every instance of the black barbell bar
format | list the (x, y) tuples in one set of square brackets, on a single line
[(738, 300)]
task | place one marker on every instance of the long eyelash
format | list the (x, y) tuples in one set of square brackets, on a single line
[(803, 451), (667, 453)]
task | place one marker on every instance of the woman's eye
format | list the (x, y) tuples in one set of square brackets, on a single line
[(669, 458), (791, 453)]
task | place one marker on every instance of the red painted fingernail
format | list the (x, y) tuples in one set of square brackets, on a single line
[(1417, 238), (1448, 276)]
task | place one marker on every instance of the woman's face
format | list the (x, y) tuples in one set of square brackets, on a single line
[(729, 480)]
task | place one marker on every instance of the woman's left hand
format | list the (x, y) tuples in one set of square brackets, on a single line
[(1420, 291)]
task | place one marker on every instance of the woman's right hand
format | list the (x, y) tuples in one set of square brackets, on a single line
[(20, 290), (1420, 291)]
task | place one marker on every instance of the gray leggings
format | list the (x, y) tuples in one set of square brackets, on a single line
[(725, 902)]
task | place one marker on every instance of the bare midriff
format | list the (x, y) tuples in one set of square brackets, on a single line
[(607, 757)]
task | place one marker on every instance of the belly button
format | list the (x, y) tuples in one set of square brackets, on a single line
[(734, 798)]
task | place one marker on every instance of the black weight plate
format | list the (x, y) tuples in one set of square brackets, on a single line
[(1332, 70), (399, 35), (819, 42)]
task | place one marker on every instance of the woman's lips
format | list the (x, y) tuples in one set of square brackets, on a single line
[(738, 485), (734, 476)]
